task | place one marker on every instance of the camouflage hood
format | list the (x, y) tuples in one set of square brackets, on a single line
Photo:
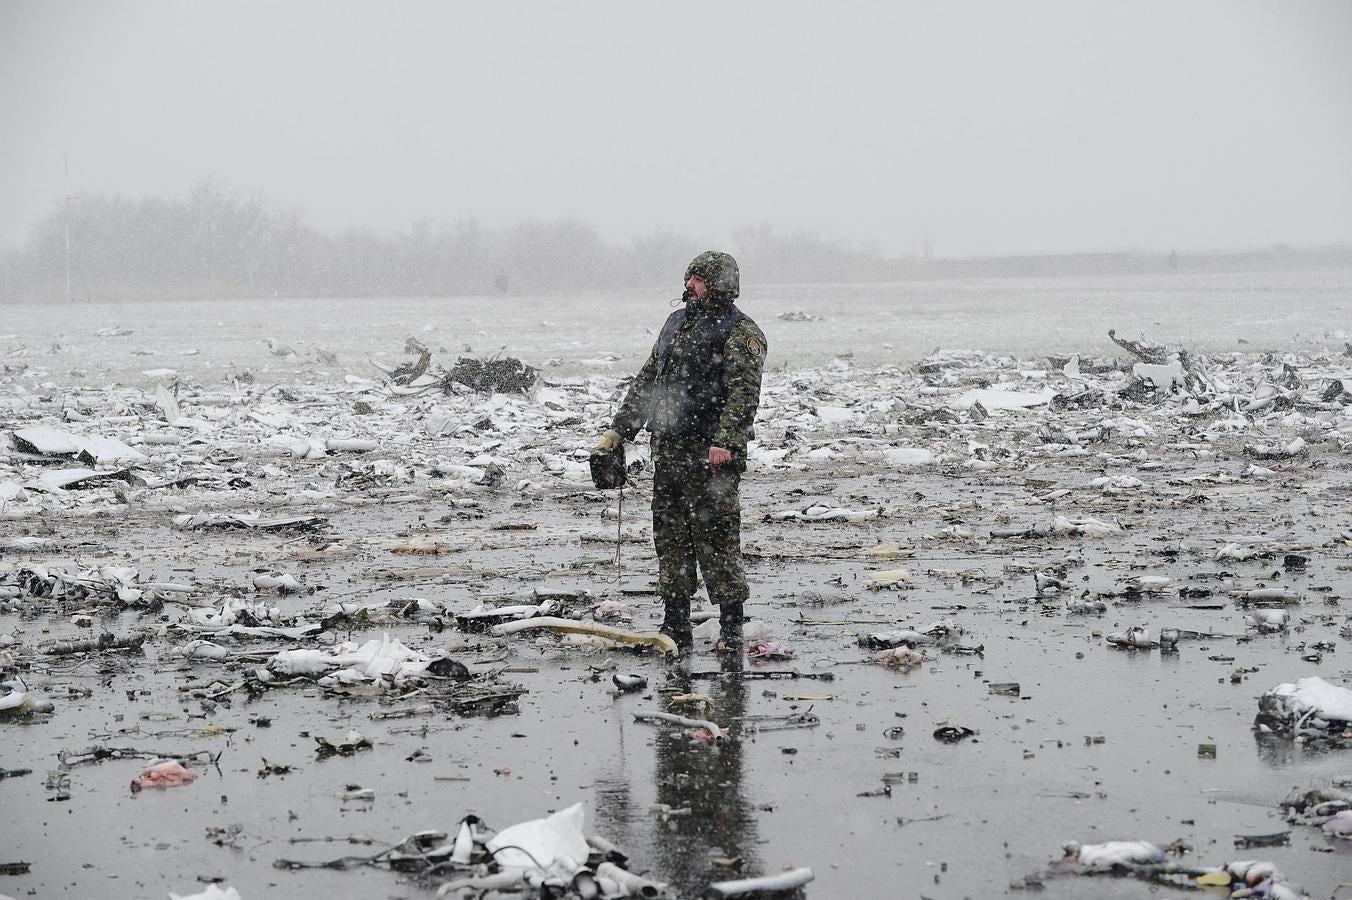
[(719, 271)]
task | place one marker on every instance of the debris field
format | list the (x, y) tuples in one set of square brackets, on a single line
[(1015, 623)]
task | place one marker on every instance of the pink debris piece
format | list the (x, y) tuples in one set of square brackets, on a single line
[(162, 774), (767, 649), (900, 658)]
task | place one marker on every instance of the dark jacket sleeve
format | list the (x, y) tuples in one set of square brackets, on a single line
[(635, 409), (743, 362)]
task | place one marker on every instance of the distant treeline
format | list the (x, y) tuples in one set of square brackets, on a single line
[(215, 244)]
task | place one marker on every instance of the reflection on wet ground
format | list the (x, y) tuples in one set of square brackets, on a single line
[(708, 827)]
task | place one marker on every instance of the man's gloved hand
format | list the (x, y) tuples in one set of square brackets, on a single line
[(610, 440)]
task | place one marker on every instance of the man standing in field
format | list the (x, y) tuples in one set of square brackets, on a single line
[(698, 394)]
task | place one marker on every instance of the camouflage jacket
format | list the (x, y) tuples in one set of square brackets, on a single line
[(700, 386)]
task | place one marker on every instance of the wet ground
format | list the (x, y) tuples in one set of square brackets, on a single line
[(1099, 743)]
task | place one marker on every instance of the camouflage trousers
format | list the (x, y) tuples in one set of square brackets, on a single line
[(697, 520)]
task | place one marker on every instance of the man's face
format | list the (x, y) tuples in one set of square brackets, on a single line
[(695, 285)]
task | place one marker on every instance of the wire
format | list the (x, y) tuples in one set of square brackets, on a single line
[(619, 536), (494, 854)]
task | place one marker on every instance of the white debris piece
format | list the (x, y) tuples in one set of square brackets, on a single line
[(556, 844), (1087, 526), (822, 513), (1309, 705), (302, 661), (45, 440), (1268, 619), (15, 703), (1136, 637), (1163, 377), (993, 398), (1149, 584), (167, 404), (212, 892), (1339, 825), (1114, 853), (349, 663), (834, 414), (203, 649), (242, 520), (59, 479), (53, 442), (758, 456), (902, 457), (230, 611), (107, 450), (1112, 484), (1236, 551), (350, 445), (1262, 473), (1295, 448), (890, 577), (281, 582)]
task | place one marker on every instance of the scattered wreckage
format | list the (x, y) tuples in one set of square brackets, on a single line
[(1085, 455)]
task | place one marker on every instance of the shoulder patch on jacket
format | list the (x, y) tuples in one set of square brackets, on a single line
[(755, 348)]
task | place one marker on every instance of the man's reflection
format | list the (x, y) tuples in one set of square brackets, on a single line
[(706, 780)]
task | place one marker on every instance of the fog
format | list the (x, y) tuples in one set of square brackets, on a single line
[(909, 129)]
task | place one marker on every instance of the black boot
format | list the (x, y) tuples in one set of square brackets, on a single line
[(730, 617), (676, 624)]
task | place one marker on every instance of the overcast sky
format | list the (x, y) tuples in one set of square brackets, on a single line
[(990, 127)]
